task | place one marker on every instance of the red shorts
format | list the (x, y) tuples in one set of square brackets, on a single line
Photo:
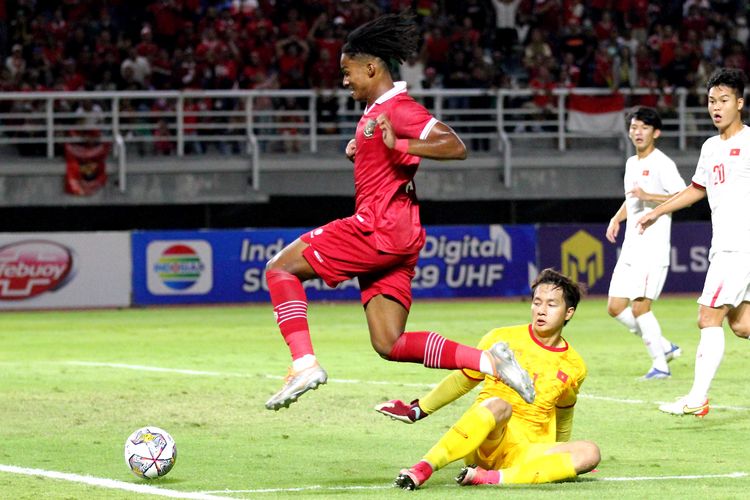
[(341, 250)]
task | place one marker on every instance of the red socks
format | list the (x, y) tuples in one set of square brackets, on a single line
[(430, 348), (434, 351), (290, 309)]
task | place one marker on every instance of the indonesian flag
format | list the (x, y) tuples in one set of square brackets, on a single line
[(596, 114), (86, 169)]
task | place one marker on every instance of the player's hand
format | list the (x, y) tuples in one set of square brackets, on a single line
[(398, 410), (386, 127), (638, 192), (351, 149), (645, 221), (613, 229)]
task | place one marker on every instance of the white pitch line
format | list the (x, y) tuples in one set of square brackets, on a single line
[(145, 368), (346, 381), (210, 494), (314, 487), (108, 483), (731, 475)]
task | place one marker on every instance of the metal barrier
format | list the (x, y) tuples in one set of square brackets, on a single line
[(255, 122), (120, 154)]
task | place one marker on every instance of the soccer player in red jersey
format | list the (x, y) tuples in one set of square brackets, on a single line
[(380, 243)]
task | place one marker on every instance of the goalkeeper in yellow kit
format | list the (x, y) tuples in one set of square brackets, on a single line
[(505, 439)]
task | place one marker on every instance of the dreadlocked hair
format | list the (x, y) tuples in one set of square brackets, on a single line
[(391, 37)]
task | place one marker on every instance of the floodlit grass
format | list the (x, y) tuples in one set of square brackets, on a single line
[(70, 393)]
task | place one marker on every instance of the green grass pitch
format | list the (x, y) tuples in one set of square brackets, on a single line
[(71, 391)]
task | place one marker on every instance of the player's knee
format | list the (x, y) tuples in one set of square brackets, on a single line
[(383, 346), (640, 308), (274, 263), (706, 321), (586, 456), (501, 409), (740, 328), (613, 310)]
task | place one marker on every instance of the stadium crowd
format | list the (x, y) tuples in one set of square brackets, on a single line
[(294, 44), (174, 44)]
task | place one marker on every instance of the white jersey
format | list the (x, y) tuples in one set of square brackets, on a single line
[(724, 172), (655, 174)]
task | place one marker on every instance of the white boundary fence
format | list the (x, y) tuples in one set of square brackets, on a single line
[(256, 122)]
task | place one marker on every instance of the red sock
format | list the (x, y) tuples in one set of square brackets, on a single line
[(434, 351), (290, 309), (422, 470)]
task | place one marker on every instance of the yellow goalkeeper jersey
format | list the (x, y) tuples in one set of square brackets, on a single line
[(558, 373)]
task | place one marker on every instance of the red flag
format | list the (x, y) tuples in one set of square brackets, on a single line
[(86, 170), (596, 114)]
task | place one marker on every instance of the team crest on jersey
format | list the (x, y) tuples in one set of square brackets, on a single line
[(369, 128), (645, 173), (734, 152)]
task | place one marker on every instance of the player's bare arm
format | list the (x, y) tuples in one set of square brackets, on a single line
[(613, 228), (642, 195), (351, 150), (684, 198), (441, 144)]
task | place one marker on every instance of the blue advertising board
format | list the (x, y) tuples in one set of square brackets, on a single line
[(184, 267), (582, 252)]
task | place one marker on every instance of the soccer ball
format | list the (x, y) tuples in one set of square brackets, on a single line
[(150, 452)]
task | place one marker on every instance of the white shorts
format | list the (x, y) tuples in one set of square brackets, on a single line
[(633, 281), (727, 280)]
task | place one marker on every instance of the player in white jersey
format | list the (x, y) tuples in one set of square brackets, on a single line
[(722, 175), (651, 177)]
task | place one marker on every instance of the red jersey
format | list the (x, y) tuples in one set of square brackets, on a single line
[(385, 199)]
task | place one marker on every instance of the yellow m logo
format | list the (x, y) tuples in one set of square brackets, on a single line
[(582, 254)]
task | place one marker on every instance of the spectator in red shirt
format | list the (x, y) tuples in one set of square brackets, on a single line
[(638, 19), (573, 10), (543, 102), (735, 56), (695, 20), (166, 20), (603, 66), (254, 73), (547, 14), (163, 145), (225, 69), (293, 26), (570, 72), (72, 80), (436, 49), (664, 41), (604, 26), (262, 40), (649, 80), (291, 56), (146, 47)]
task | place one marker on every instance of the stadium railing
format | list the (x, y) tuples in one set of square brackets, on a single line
[(255, 122)]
